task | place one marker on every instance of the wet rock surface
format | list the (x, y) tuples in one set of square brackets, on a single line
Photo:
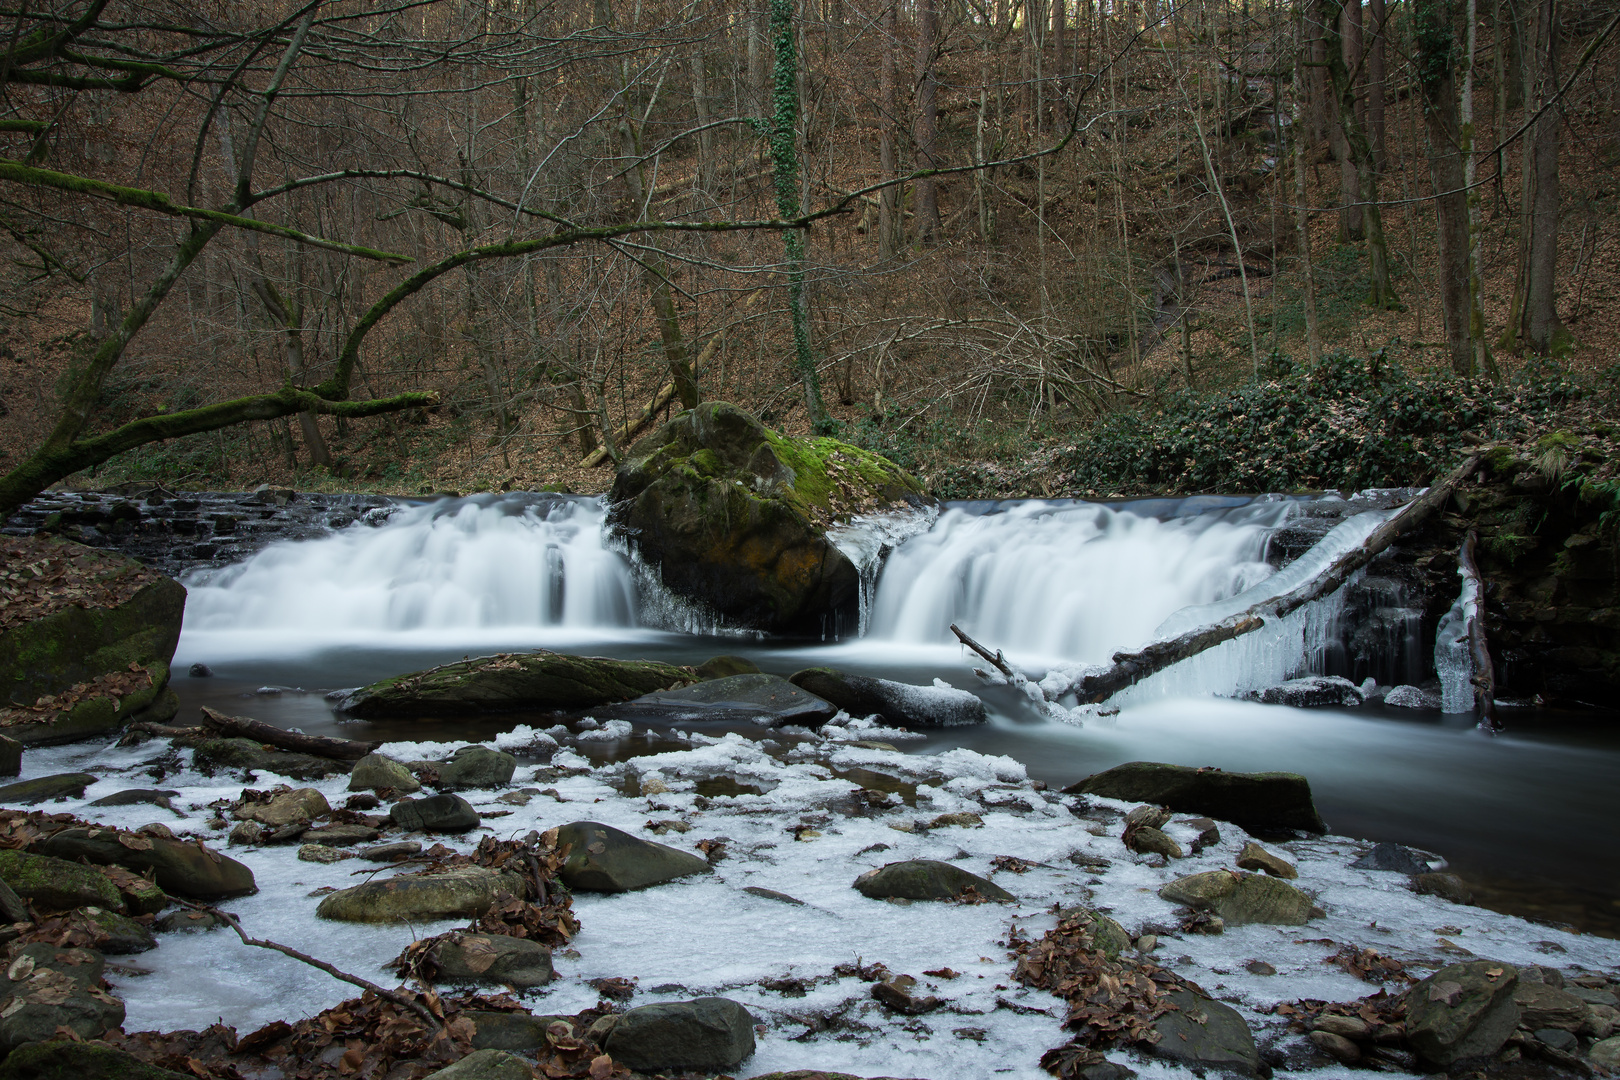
[(1462, 1011), (435, 814), (604, 859), (926, 879), (1205, 1033), (467, 892), (712, 1034), (1259, 802)]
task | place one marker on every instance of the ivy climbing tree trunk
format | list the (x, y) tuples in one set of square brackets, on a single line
[(785, 163)]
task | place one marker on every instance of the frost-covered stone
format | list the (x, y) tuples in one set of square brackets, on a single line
[(897, 702), (1312, 692), (1411, 697)]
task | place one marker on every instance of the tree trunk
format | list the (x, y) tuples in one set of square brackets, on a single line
[(1380, 292), (927, 121), (1543, 330), (1346, 107), (1436, 43), (891, 226), (1376, 79)]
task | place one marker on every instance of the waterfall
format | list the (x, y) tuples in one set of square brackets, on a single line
[(1069, 581), (484, 562)]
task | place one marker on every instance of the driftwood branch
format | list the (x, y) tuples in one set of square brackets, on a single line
[(996, 659), (1484, 670), (1130, 668), (402, 1000), (259, 731)]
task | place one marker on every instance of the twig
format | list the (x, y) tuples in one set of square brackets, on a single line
[(1001, 664), (286, 950)]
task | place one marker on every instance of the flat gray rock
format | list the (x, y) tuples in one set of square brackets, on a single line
[(707, 1034), (926, 879), (604, 859), (1203, 1033), (1462, 1011), (769, 700)]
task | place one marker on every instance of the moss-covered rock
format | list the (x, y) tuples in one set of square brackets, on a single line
[(180, 867), (56, 884), (121, 617), (508, 681), (214, 755), (67, 1060), (466, 892), (735, 516)]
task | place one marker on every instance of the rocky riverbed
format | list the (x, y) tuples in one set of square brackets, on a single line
[(818, 900)]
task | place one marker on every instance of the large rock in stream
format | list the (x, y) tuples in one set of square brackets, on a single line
[(1257, 802), (184, 868), (604, 859), (462, 893), (896, 702), (735, 516), (89, 646), (508, 681)]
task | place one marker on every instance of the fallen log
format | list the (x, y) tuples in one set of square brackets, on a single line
[(1130, 668), (259, 731), (1484, 671)]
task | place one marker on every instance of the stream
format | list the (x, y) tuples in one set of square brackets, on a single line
[(1525, 817)]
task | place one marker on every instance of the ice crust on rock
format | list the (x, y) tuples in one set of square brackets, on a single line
[(706, 936)]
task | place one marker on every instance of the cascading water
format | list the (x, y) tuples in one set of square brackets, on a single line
[(481, 563), (1068, 582)]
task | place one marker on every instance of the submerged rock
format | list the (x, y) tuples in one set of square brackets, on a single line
[(926, 879), (1203, 1033), (138, 797), (735, 516), (1238, 898), (710, 1034), (769, 700), (603, 859), (1462, 1011), (897, 702), (506, 681), (1258, 802), (464, 892), (185, 868)]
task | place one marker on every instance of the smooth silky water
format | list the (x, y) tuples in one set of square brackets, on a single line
[(1526, 816)]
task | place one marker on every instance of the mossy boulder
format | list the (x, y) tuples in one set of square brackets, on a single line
[(1240, 898), (63, 1059), (106, 616), (56, 884), (462, 893), (183, 868), (735, 516), (508, 681)]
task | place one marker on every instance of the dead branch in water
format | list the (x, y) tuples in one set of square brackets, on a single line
[(1132, 667), (1000, 664)]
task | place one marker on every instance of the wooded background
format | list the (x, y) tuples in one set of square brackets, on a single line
[(461, 243)]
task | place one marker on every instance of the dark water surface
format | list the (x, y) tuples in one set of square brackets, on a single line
[(1528, 817)]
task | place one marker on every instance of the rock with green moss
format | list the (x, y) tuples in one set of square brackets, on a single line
[(507, 681), (63, 1059), (183, 868), (56, 884), (735, 516), (65, 651)]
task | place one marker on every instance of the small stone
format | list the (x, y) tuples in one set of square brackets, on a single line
[(1337, 1047), (898, 993), (1543, 1006), (400, 849), (520, 797), (247, 833), (200, 671), (1601, 1021), (926, 879), (1148, 816), (1146, 840), (965, 820), (1259, 967), (186, 921), (1446, 886), (1594, 996), (492, 958), (1605, 1054), (1255, 857), (374, 772), (1392, 858), (1209, 834), (654, 785), (320, 853), (1350, 1027), (772, 894), (1147, 943), (605, 859), (1241, 898)]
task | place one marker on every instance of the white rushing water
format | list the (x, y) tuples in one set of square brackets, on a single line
[(480, 563)]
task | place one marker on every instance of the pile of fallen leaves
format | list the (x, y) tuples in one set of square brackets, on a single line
[(1111, 999), (41, 575), (113, 684), (1369, 965)]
